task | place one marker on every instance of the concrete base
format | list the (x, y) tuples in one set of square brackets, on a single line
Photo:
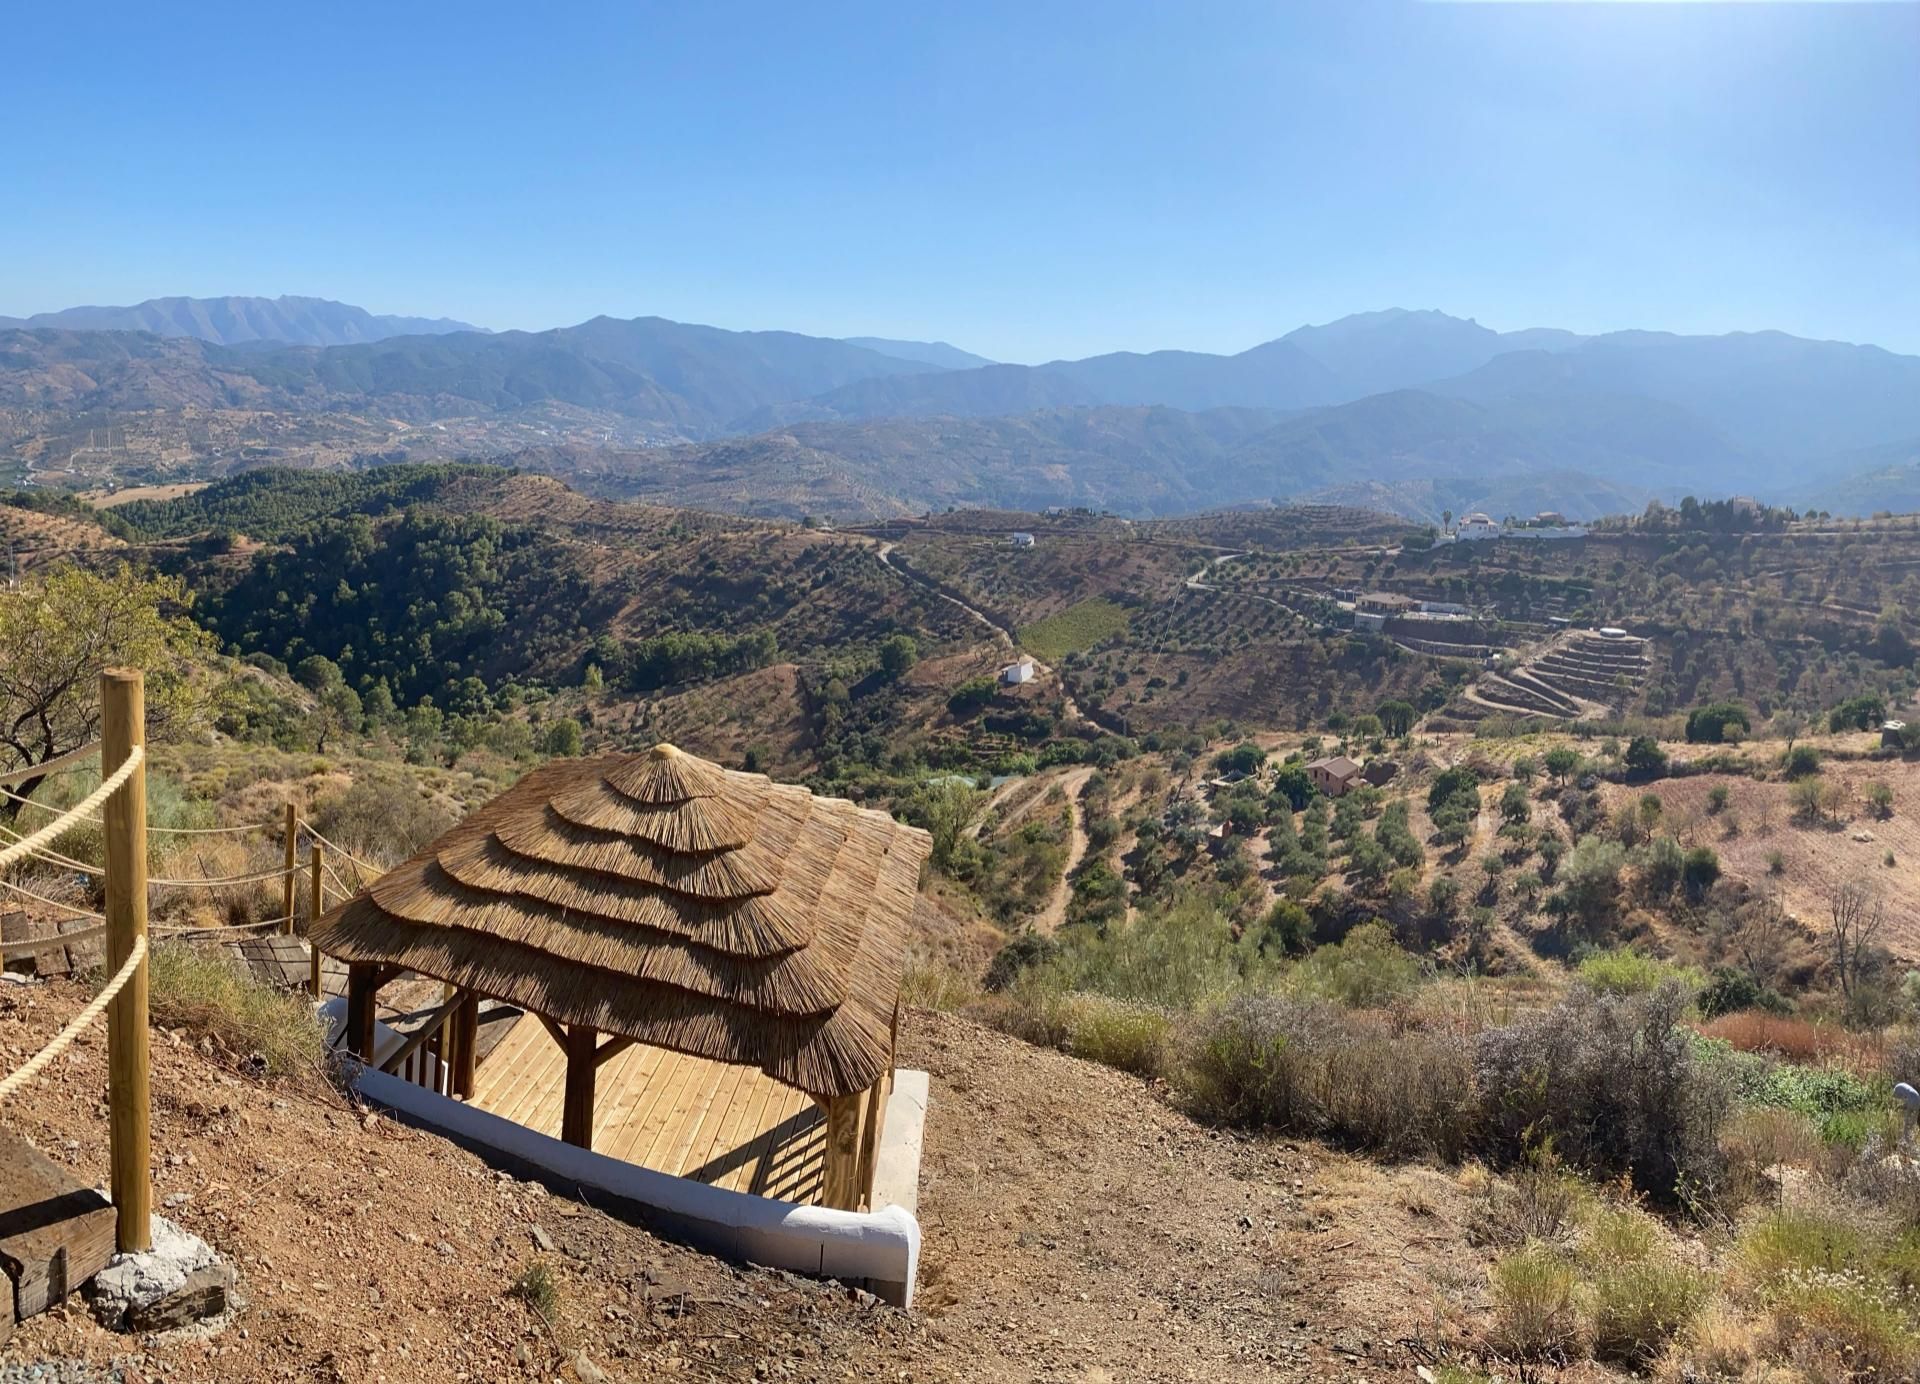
[(179, 1281), (896, 1167)]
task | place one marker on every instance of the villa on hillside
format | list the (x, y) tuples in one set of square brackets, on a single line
[(1019, 671), (1333, 775)]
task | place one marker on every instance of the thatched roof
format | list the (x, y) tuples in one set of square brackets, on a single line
[(664, 898)]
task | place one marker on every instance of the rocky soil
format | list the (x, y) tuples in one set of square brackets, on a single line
[(1077, 1228)]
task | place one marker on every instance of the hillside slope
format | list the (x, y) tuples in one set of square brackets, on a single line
[(1075, 1227)]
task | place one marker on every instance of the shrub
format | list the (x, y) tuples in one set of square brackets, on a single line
[(1304, 1067), (537, 1287), (1853, 1327), (1732, 990), (1614, 1081), (1644, 758), (1365, 969), (1626, 971), (1762, 1137), (1717, 798), (1708, 725), (203, 991), (1879, 797), (1533, 1310), (1640, 1305), (1801, 761), (1799, 1240), (381, 818), (1129, 1037), (1027, 949)]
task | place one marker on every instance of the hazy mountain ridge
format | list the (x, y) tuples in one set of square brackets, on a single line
[(937, 353), (1630, 414), (232, 321)]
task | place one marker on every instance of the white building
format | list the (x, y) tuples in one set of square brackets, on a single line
[(1021, 540), (1016, 673)]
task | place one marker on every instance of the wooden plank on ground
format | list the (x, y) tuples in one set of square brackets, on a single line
[(55, 1231)]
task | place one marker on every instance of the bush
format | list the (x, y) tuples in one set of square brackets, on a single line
[(1533, 1310), (383, 819), (1640, 1305), (1708, 725), (1731, 990), (1799, 1240), (1625, 971), (1614, 1082), (1644, 758), (1855, 1328), (1304, 1067), (1027, 949), (1801, 761), (204, 991), (1367, 968)]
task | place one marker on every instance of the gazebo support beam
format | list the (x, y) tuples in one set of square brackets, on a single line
[(466, 1044), (576, 1113), (363, 984), (840, 1183)]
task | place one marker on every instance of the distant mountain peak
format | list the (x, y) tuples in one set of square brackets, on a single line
[(230, 321), (936, 353)]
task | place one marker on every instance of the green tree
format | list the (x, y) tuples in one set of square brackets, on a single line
[(1645, 758), (1397, 717), (59, 631), (898, 653), (1561, 761), (563, 739)]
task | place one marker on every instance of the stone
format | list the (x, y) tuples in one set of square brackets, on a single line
[(587, 1371), (136, 1281), (541, 1240), (204, 1294)]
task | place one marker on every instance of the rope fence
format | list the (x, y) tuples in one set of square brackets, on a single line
[(27, 845), (50, 766), (63, 1040)]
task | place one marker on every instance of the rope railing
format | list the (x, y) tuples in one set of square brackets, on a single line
[(63, 1040), (50, 766), (28, 844), (358, 864), (239, 829), (67, 862), (32, 946)]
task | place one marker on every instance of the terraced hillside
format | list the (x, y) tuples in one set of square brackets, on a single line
[(1579, 673)]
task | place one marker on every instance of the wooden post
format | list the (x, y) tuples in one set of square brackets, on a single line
[(123, 712), (363, 985), (576, 1113), (316, 900), (872, 1122), (839, 1185), (291, 880), (466, 1044)]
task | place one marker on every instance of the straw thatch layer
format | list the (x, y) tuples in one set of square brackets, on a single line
[(664, 898)]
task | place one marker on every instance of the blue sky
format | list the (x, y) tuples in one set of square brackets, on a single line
[(1027, 180)]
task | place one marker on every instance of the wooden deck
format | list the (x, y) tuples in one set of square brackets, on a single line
[(733, 1127)]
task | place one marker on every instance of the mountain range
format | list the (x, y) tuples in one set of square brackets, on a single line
[(231, 321), (1425, 404)]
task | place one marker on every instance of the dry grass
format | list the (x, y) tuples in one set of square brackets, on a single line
[(1794, 1039), (204, 991), (1533, 1304)]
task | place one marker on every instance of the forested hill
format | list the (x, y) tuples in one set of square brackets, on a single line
[(273, 503)]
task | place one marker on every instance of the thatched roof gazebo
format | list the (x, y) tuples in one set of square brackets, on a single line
[(659, 899)]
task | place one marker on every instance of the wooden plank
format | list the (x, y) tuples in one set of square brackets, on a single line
[(55, 1231), (630, 1077), (688, 1150), (656, 1107), (732, 1137), (843, 1153)]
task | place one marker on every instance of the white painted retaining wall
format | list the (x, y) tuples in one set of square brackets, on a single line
[(879, 1250)]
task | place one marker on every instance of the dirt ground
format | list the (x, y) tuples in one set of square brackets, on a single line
[(1076, 1228)]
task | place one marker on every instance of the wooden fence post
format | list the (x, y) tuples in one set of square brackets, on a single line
[(316, 901), (123, 710), (290, 880)]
